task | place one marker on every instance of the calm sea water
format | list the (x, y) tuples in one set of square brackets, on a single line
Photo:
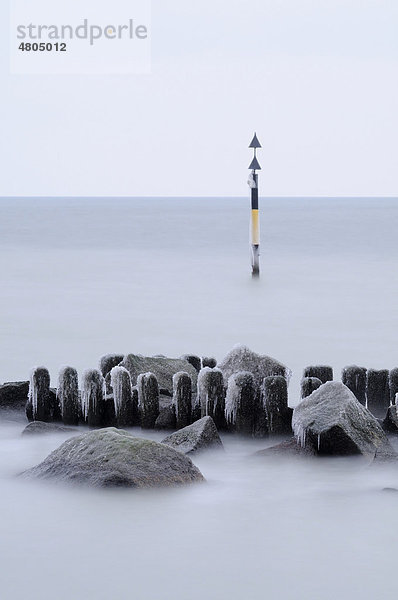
[(80, 278)]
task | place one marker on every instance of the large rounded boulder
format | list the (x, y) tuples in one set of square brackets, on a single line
[(114, 458)]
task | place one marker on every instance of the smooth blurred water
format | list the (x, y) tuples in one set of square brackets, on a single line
[(256, 529), (85, 277), (80, 278)]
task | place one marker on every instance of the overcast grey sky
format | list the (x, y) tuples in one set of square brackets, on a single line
[(317, 80)]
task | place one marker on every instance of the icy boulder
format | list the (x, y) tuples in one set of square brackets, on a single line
[(241, 358), (333, 422), (163, 368), (114, 458), (200, 435)]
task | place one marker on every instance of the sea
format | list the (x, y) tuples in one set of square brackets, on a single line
[(84, 277)]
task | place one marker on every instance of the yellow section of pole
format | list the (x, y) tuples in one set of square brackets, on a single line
[(255, 228)]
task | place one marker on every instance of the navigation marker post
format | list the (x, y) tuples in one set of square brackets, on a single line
[(255, 224)]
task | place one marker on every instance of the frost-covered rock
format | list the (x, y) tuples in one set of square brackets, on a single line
[(182, 399), (393, 382), (309, 385), (148, 400), (333, 422), (355, 379), (208, 361), (322, 372), (275, 403), (193, 360), (211, 395), (378, 392), (39, 395), (241, 358), (241, 403), (125, 402), (14, 395), (163, 369), (200, 435), (114, 458), (109, 361), (39, 427), (68, 395), (93, 398)]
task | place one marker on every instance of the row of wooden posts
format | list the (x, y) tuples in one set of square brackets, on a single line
[(241, 406), (375, 389)]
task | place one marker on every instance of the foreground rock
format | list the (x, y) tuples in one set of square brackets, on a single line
[(114, 458), (163, 368), (200, 435), (13, 396), (333, 422), (242, 358), (39, 427)]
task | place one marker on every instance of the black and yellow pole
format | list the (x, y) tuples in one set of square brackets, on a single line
[(255, 222)]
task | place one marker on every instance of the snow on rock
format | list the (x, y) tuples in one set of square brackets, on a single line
[(163, 368), (114, 458), (241, 358), (333, 422), (200, 435)]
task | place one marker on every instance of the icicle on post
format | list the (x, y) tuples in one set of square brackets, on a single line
[(255, 223)]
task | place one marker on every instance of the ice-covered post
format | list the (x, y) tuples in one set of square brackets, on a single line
[(211, 395), (378, 392), (148, 399), (38, 407), (309, 385), (255, 224), (393, 385), (355, 379), (322, 372), (240, 402), (275, 402), (68, 395), (126, 408), (182, 399), (93, 398)]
